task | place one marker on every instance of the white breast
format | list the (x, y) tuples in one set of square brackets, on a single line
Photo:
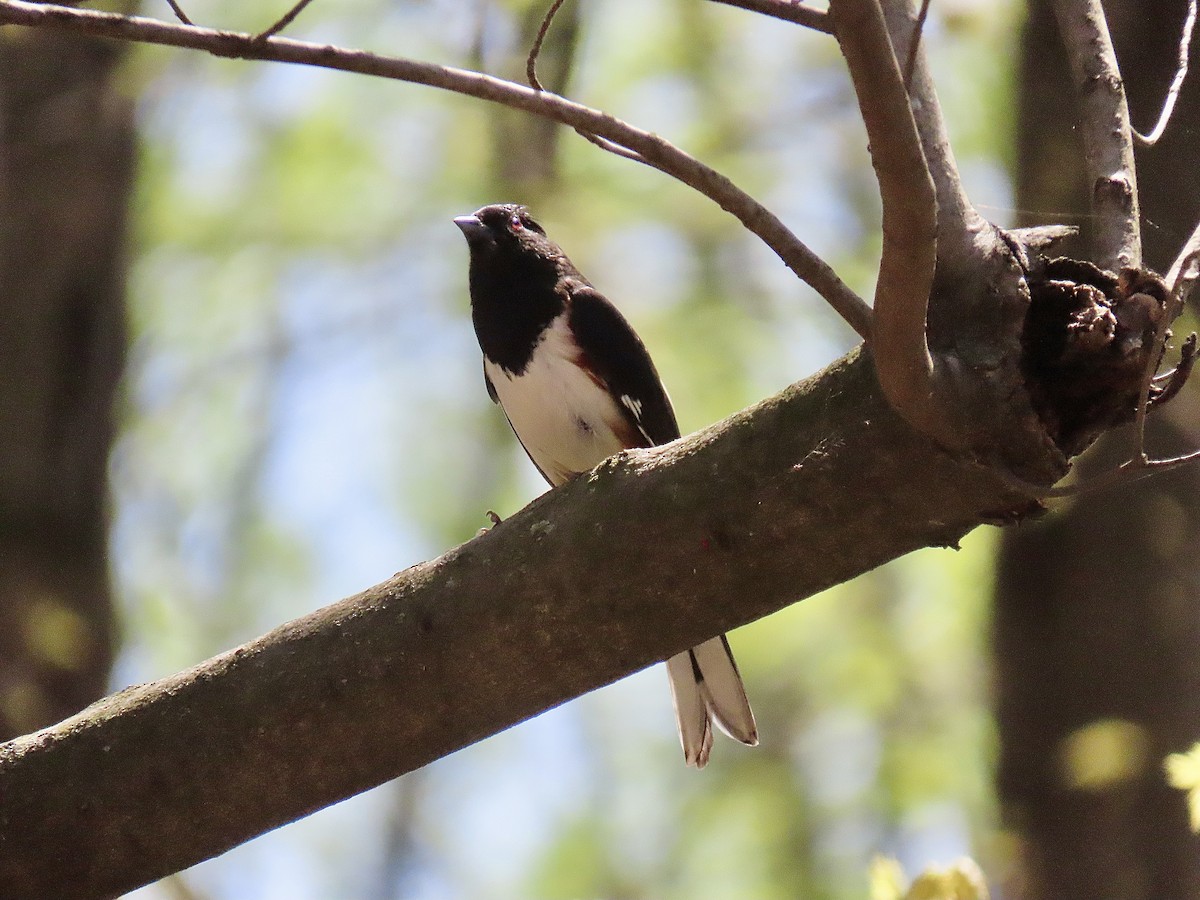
[(563, 418)]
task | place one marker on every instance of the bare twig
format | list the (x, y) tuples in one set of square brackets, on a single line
[(535, 83), (918, 30), (1107, 137), (284, 21), (1179, 283), (1185, 41), (1168, 384), (531, 62), (179, 13), (611, 147), (1181, 277), (1153, 359), (651, 148), (789, 10), (1126, 473), (909, 215)]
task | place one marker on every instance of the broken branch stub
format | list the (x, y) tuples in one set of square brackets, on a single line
[(1088, 338)]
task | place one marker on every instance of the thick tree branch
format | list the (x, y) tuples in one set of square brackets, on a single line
[(909, 255), (961, 238), (651, 148), (1107, 136), (653, 552)]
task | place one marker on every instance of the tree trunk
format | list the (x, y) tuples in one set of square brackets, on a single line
[(66, 139), (1095, 621)]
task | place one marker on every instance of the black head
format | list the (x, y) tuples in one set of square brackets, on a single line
[(515, 278), (506, 230)]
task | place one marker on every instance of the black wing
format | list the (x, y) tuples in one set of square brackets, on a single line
[(615, 356), (491, 388)]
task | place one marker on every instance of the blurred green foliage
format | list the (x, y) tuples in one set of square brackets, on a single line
[(305, 415)]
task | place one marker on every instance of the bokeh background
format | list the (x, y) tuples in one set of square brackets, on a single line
[(306, 415), (302, 413)]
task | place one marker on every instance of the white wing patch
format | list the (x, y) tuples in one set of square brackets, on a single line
[(635, 407), (563, 418)]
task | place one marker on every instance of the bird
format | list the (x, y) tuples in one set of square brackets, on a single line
[(577, 386)]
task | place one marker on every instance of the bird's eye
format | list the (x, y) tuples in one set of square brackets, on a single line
[(515, 223)]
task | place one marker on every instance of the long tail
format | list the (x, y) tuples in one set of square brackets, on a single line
[(707, 688)]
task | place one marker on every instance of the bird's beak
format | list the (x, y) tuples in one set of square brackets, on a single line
[(471, 227)]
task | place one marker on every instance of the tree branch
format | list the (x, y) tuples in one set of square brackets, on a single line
[(788, 10), (915, 43), (1107, 136), (531, 60), (1183, 272), (283, 21), (651, 553), (651, 148), (906, 266), (1181, 70), (958, 224), (179, 13)]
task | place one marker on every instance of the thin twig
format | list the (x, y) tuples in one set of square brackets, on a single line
[(788, 10), (1107, 137), (918, 30), (1178, 286), (1153, 359), (613, 147), (1169, 384), (1126, 473), (179, 13), (1185, 41), (535, 83), (531, 62), (906, 267), (654, 150), (1183, 272), (284, 21)]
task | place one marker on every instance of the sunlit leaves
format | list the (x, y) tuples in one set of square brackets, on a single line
[(1103, 754), (962, 880), (1183, 772)]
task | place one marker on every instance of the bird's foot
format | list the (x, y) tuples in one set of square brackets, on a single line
[(495, 520)]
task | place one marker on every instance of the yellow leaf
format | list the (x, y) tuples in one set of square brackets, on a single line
[(1104, 753), (887, 879), (962, 881), (1183, 772)]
